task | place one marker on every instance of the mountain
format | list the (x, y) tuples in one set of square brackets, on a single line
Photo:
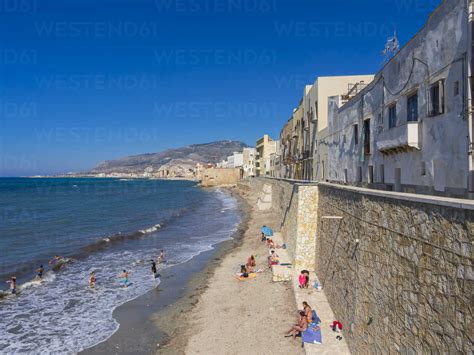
[(183, 158)]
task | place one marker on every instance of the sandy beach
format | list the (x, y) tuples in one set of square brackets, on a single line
[(237, 317)]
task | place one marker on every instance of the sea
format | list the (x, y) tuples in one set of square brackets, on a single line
[(101, 225)]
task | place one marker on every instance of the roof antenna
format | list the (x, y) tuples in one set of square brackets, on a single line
[(391, 48)]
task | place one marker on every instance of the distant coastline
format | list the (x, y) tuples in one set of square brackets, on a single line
[(109, 176)]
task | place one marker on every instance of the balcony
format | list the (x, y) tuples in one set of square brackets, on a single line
[(406, 137)]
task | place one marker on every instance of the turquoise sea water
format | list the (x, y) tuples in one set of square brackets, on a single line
[(101, 225)]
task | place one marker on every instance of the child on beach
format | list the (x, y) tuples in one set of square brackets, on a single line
[(39, 273), (303, 279), (124, 277), (92, 279), (12, 283)]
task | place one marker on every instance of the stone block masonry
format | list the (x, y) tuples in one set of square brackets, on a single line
[(397, 270), (396, 267)]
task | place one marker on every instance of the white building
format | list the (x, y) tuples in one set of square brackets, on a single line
[(411, 128), (249, 155)]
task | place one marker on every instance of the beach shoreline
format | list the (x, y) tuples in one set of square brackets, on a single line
[(230, 316), (152, 321)]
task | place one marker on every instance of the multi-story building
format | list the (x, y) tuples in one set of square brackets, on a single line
[(249, 156), (274, 161), (303, 158), (411, 128), (265, 146), (286, 139), (236, 160), (315, 102)]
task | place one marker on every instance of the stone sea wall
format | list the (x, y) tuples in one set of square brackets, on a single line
[(295, 206), (397, 270)]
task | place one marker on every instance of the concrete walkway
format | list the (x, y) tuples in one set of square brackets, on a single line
[(318, 301)]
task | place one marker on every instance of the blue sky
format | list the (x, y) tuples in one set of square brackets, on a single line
[(84, 81)]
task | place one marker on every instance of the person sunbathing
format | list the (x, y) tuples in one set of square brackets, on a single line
[(308, 312), (251, 263), (299, 327)]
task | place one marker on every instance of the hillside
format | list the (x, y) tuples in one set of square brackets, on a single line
[(180, 158)]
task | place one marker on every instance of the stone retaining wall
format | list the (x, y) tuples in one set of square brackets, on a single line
[(397, 270)]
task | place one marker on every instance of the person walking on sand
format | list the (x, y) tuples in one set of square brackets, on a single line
[(12, 283), (124, 277), (161, 258), (39, 273), (92, 279)]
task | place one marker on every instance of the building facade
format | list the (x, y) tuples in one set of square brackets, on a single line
[(249, 156), (265, 147), (410, 129)]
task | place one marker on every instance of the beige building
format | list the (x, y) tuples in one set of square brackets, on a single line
[(316, 104), (265, 147), (220, 176)]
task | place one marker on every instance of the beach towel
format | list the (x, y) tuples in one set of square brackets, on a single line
[(267, 231), (251, 276), (312, 335), (315, 319)]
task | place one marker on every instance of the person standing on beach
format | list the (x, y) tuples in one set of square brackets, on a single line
[(92, 279), (161, 258), (12, 283), (153, 268), (39, 273)]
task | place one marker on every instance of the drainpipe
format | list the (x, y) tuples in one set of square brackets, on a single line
[(470, 70)]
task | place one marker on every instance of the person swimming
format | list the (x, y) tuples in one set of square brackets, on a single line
[(12, 283), (92, 279), (39, 272), (55, 259), (124, 277), (153, 268)]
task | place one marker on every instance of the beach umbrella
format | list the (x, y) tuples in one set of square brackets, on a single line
[(267, 231)]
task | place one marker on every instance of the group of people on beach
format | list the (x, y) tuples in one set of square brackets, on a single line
[(57, 262)]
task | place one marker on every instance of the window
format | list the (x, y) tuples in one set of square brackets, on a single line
[(367, 136), (392, 116), (360, 174), (382, 174), (412, 107), (436, 98), (423, 168), (456, 88), (371, 174), (356, 134), (345, 176)]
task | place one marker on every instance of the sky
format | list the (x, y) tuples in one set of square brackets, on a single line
[(84, 81)]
